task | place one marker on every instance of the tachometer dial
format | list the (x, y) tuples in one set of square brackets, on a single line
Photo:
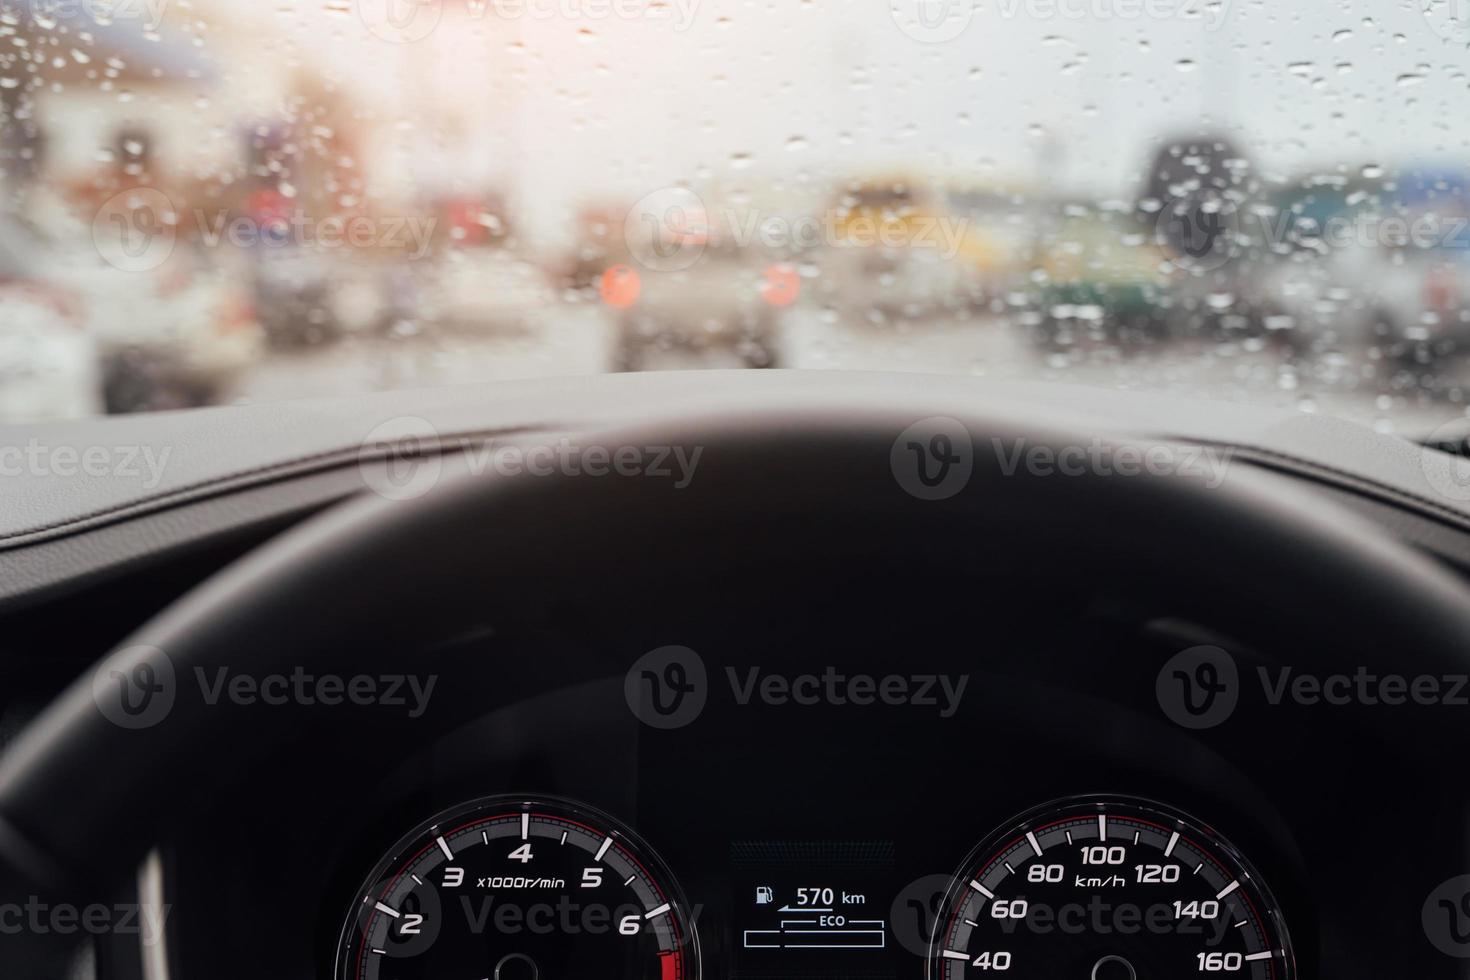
[(514, 889), (1108, 889)]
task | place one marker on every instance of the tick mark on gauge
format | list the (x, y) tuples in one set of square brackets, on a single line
[(1266, 955), (525, 825), (606, 843), (656, 912), (1031, 839), (1173, 839), (1228, 889), (1009, 868), (444, 846), (954, 954), (386, 910), (563, 837), (416, 879), (629, 881), (1102, 826), (982, 889), (378, 952)]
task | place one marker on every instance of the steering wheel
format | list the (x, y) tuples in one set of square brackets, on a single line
[(82, 793)]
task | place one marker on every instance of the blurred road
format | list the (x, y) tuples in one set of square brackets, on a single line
[(581, 341)]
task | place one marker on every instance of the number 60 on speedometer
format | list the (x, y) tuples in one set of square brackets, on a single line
[(1108, 889)]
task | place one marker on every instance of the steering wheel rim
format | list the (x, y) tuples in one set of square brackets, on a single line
[(783, 482)]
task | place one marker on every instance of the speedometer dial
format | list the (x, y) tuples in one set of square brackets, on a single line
[(1108, 889), (513, 889)]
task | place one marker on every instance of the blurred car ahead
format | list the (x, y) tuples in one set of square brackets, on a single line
[(599, 244), (48, 361), (1418, 310), (175, 337), (895, 256), (482, 290), (724, 306), (1101, 282)]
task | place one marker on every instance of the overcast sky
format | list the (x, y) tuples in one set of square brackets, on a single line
[(572, 100)]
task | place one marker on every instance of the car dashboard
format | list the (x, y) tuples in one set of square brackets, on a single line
[(945, 758)]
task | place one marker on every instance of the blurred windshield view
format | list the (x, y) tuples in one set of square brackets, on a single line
[(222, 201)]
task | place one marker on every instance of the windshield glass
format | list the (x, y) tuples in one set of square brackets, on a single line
[(216, 202)]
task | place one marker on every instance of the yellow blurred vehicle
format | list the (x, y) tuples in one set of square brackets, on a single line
[(894, 254)]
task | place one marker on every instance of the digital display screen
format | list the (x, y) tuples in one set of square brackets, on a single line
[(805, 908)]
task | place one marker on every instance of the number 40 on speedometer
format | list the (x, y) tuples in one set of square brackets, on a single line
[(1108, 889)]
